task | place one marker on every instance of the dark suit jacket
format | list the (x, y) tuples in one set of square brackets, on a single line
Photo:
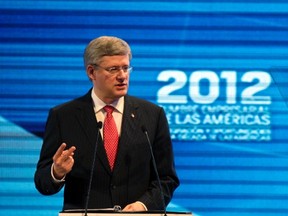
[(133, 178)]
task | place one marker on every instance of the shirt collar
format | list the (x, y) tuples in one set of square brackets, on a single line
[(99, 104)]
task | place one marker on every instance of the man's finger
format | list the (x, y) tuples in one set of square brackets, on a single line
[(71, 151), (60, 151), (66, 154)]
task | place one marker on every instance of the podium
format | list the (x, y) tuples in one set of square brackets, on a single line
[(122, 213)]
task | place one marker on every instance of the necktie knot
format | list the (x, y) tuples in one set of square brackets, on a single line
[(109, 109)]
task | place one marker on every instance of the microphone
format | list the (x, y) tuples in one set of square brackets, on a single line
[(99, 126), (155, 167)]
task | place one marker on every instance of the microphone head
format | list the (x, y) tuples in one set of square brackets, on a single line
[(143, 129), (99, 124)]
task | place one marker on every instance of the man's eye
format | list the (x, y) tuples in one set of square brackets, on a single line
[(113, 69)]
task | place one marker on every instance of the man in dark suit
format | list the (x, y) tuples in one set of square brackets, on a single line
[(72, 134)]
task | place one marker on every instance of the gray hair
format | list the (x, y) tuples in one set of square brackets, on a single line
[(105, 46)]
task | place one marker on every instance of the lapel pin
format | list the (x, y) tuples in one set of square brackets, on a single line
[(132, 115)]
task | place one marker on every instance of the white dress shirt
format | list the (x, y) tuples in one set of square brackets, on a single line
[(100, 112)]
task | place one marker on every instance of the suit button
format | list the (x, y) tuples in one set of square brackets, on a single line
[(113, 186)]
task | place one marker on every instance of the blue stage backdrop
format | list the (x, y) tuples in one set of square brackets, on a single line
[(218, 68)]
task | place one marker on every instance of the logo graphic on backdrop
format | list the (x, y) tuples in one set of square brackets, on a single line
[(210, 106)]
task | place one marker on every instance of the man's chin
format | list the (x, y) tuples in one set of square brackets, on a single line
[(121, 93)]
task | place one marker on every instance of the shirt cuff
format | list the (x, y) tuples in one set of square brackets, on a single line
[(142, 205), (55, 180)]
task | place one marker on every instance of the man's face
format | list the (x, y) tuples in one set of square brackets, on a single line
[(109, 86)]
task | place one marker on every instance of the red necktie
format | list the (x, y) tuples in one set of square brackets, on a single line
[(110, 136)]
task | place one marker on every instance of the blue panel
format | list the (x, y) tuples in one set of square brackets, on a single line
[(201, 61)]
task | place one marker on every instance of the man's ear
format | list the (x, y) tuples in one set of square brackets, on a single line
[(90, 72)]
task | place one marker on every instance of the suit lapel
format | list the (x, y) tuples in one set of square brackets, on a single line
[(130, 122), (87, 119)]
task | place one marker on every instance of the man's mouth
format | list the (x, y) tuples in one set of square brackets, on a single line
[(121, 84)]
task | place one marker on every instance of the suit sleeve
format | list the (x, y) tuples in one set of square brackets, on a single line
[(51, 142), (164, 157)]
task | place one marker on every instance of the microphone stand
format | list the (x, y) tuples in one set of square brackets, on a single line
[(99, 126), (155, 169)]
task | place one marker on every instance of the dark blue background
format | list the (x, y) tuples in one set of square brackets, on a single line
[(41, 49)]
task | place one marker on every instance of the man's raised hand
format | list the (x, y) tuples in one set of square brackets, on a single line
[(63, 161)]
